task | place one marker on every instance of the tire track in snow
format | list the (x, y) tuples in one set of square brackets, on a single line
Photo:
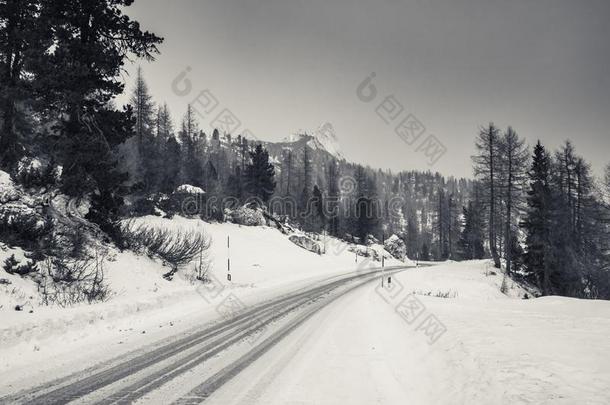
[(204, 390), (185, 353)]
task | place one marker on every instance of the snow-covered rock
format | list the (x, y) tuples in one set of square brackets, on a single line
[(188, 189), (8, 191), (19, 212), (371, 240), (246, 216), (306, 243)]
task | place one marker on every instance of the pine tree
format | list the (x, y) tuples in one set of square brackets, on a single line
[(472, 239), (305, 195), (143, 108), (211, 177), (24, 38), (564, 257), (517, 255), (164, 124), (565, 179), (317, 210), (412, 241), (192, 166), (486, 169), (234, 187), (260, 175), (334, 194), (172, 165), (537, 222), (148, 157), (453, 224), (366, 210), (564, 227), (425, 252), (514, 170), (607, 182), (80, 75)]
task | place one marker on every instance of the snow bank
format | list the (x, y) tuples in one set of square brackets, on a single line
[(502, 349)]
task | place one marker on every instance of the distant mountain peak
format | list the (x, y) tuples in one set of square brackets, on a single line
[(324, 137)]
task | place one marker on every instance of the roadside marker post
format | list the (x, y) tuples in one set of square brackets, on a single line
[(228, 258), (382, 257)]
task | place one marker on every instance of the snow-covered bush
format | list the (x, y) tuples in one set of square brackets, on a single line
[(364, 251), (21, 224), (33, 173), (150, 205), (396, 247), (374, 252), (246, 216), (187, 201), (12, 266), (23, 220), (306, 243)]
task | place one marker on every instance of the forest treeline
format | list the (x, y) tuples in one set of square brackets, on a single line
[(541, 214)]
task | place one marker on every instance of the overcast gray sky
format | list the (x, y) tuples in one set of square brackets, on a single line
[(542, 66)]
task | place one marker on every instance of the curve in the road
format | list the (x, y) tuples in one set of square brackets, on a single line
[(199, 346)]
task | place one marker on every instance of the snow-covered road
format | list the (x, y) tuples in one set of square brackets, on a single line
[(435, 335)]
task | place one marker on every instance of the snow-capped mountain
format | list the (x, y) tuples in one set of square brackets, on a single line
[(323, 138), (326, 138)]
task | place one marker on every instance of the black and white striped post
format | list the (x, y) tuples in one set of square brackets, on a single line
[(228, 258), (383, 249), (382, 257)]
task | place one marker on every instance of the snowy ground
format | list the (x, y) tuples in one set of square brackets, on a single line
[(492, 350)]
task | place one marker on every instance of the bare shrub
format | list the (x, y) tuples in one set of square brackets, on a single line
[(69, 281), (175, 248), (438, 294), (199, 272), (504, 286)]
